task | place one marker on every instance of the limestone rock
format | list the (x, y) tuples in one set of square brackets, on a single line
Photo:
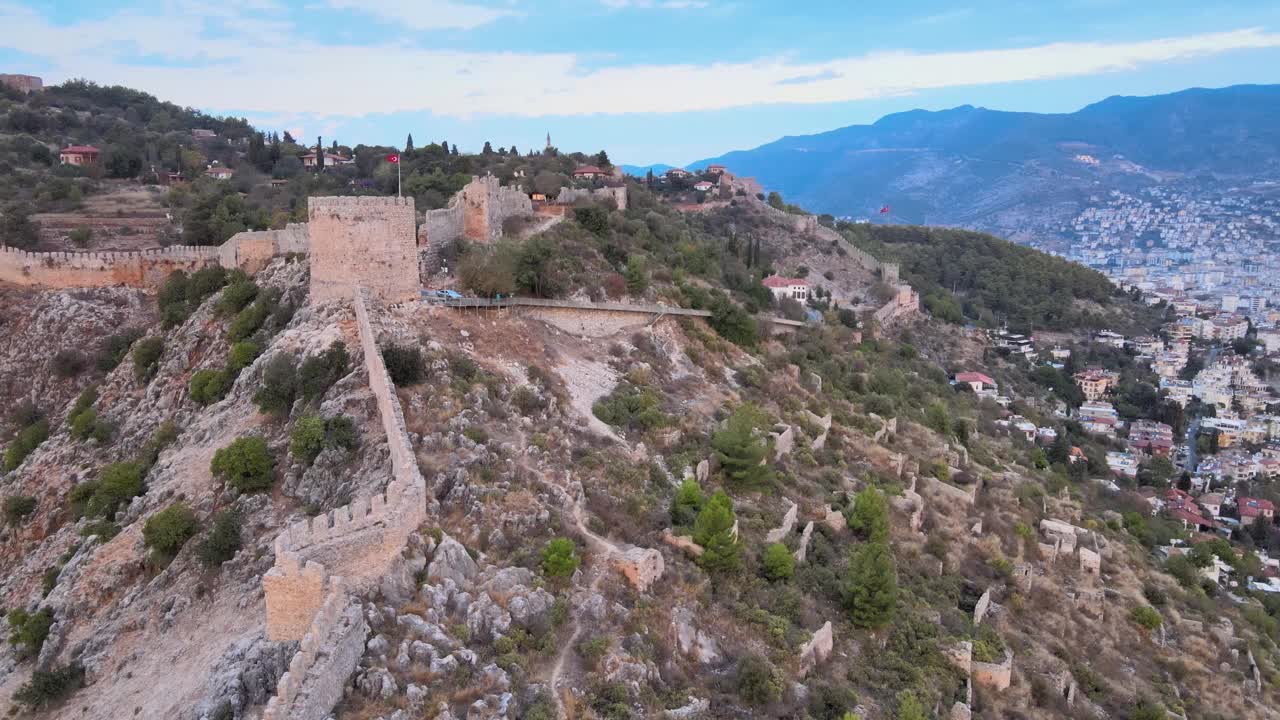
[(788, 524), (377, 683), (452, 562), (805, 536), (817, 650), (691, 640), (530, 610), (486, 619), (834, 519)]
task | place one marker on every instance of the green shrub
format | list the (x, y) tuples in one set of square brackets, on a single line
[(69, 363), (404, 364), (25, 443), (319, 372), (279, 385), (307, 439), (527, 401), (759, 683), (17, 507), (168, 530), (340, 432), (1146, 616), (223, 540), (81, 236), (632, 407), (236, 296), (209, 386), (246, 465), (27, 631), (559, 558), (172, 299), (686, 504), (476, 434), (592, 651), (146, 354), (47, 687), (115, 347), (910, 708), (870, 515), (252, 318), (242, 355), (117, 484), (204, 283), (165, 434), (740, 449), (779, 564)]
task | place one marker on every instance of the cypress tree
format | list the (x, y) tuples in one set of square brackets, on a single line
[(408, 144), (319, 153), (713, 530), (871, 585)]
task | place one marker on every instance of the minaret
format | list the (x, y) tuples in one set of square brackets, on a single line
[(548, 141)]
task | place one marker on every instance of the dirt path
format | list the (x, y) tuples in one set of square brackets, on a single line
[(602, 552)]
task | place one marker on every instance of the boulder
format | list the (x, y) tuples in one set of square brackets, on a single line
[(452, 562), (487, 620), (530, 610)]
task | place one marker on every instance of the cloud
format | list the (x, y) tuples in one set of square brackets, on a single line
[(425, 14), (263, 69), (944, 17)]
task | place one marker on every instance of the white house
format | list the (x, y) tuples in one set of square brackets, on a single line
[(784, 287)]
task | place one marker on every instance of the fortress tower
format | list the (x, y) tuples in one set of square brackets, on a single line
[(363, 241)]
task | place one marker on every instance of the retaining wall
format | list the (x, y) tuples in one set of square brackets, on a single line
[(618, 195)]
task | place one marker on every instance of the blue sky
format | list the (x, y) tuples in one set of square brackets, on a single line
[(648, 80)]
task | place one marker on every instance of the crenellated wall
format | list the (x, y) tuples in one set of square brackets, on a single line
[(363, 242), (249, 251), (360, 541), (144, 268)]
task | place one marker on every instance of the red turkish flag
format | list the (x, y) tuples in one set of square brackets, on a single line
[(884, 210), (393, 159)]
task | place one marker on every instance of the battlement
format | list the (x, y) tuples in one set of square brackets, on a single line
[(339, 203), (138, 268), (193, 252)]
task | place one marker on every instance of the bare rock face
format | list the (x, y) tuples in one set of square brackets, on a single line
[(817, 650), (641, 566), (691, 640), (451, 562), (247, 674)]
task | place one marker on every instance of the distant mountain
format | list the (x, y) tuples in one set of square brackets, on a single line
[(640, 170), (1007, 171)]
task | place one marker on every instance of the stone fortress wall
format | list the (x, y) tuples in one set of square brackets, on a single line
[(476, 213), (618, 195), (249, 251), (361, 540), (363, 242)]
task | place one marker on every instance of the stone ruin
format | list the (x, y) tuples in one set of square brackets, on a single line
[(476, 213), (363, 242)]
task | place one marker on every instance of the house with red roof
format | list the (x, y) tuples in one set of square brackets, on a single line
[(1192, 518), (1251, 508), (219, 172), (677, 173), (976, 380), (80, 155), (785, 287), (589, 172)]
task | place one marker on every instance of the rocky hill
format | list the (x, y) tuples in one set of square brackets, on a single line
[(996, 171), (626, 514)]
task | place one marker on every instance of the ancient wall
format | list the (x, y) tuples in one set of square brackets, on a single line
[(144, 268), (997, 676), (618, 195), (363, 242), (476, 213), (328, 654), (249, 251)]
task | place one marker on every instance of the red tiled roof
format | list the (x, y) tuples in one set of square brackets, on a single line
[(777, 281), (81, 149), (1252, 507), (1191, 517), (968, 377), (588, 169)]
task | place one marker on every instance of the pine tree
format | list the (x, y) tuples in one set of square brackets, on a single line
[(454, 150), (488, 149), (871, 585), (870, 516), (333, 147), (513, 152), (602, 160), (1060, 450), (289, 138), (739, 448), (408, 145), (909, 708), (444, 144), (713, 530), (1260, 531)]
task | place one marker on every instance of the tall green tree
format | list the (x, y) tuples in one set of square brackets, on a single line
[(687, 503), (713, 530), (408, 145), (871, 585), (869, 516), (740, 446)]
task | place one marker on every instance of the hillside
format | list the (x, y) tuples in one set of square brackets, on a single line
[(1007, 171), (624, 515)]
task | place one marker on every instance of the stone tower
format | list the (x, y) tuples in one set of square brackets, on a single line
[(363, 241)]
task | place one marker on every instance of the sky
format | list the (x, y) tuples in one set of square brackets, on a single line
[(650, 81)]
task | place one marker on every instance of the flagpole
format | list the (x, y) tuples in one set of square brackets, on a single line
[(398, 176)]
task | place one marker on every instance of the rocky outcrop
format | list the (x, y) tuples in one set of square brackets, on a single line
[(817, 650), (780, 533), (641, 566)]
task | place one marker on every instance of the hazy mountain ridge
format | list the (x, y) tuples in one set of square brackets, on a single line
[(990, 168)]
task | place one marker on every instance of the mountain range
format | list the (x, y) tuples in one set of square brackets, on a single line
[(1006, 171)]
